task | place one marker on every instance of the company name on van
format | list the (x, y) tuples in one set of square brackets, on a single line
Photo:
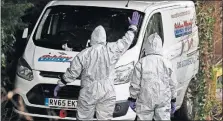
[(54, 58), (181, 29)]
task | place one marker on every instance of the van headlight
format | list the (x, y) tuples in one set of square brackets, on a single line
[(24, 70), (123, 73)]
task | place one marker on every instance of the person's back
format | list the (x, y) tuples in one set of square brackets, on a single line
[(153, 84), (155, 80), (97, 84), (100, 59), (97, 63)]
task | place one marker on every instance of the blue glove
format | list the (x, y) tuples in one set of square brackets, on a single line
[(56, 90), (135, 19), (173, 107), (59, 86), (132, 105)]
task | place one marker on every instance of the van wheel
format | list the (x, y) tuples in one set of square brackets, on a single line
[(186, 110)]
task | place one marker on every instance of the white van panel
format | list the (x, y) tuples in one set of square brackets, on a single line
[(46, 59), (181, 46), (178, 42)]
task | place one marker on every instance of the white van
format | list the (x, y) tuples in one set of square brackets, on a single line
[(70, 23)]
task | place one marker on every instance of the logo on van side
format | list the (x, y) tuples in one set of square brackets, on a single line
[(187, 45), (54, 58), (182, 29)]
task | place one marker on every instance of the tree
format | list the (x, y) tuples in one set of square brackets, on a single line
[(11, 22)]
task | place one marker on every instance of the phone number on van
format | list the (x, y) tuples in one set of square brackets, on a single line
[(185, 63)]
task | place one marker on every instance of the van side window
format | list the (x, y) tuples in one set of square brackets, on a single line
[(154, 26)]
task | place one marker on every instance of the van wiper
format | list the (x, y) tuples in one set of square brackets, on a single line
[(127, 4)]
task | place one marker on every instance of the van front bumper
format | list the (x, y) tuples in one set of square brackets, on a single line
[(30, 96), (54, 114)]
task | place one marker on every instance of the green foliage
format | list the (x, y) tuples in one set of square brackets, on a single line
[(10, 22), (13, 20), (202, 100), (12, 10)]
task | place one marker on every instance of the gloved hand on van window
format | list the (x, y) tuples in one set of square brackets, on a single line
[(135, 19)]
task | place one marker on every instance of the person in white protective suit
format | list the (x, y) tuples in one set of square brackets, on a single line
[(96, 67), (153, 84)]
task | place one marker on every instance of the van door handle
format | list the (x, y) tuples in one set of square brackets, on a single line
[(192, 53)]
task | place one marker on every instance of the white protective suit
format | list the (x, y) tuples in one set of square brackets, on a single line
[(96, 67), (153, 84)]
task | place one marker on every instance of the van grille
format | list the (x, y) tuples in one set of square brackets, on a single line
[(39, 92), (51, 74)]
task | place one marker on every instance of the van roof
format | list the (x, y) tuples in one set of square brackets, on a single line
[(135, 5)]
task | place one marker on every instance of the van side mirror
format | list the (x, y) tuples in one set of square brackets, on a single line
[(25, 33)]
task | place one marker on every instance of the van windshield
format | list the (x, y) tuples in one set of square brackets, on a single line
[(73, 25)]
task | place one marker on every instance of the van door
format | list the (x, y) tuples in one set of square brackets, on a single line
[(181, 42)]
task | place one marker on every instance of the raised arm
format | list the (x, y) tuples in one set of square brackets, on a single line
[(116, 49)]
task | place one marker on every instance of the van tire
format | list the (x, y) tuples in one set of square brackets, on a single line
[(186, 110)]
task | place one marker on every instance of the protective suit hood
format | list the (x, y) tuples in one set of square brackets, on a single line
[(98, 36), (154, 45)]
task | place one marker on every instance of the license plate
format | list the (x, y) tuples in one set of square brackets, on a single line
[(53, 102)]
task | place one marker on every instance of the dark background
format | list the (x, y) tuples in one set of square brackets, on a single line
[(16, 15)]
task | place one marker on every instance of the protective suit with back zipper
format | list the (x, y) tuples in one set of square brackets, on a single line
[(153, 84), (96, 66)]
